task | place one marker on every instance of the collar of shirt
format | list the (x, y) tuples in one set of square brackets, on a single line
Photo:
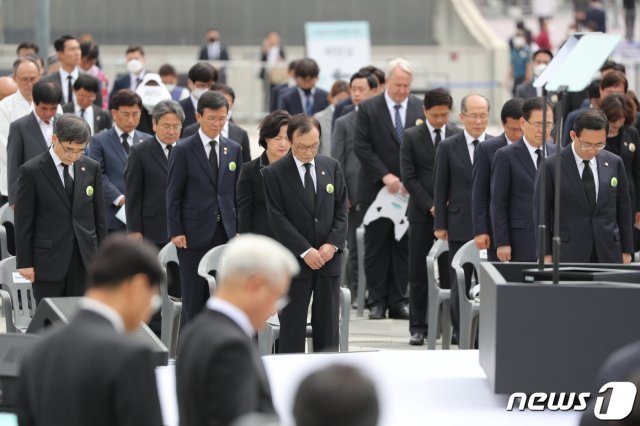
[(579, 161), (120, 132), (233, 312), (303, 95), (532, 149), (105, 311), (391, 104), (470, 138), (42, 123), (164, 146), (25, 103), (300, 164), (206, 139), (509, 141), (74, 74), (134, 78), (57, 161), (431, 130)]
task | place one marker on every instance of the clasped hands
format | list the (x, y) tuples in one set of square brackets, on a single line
[(317, 258)]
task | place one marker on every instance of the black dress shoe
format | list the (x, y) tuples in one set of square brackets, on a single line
[(402, 314), (417, 339), (377, 312)]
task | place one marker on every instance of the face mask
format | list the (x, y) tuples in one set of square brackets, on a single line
[(198, 92), (151, 95), (518, 42), (170, 87), (213, 40), (538, 69), (134, 66)]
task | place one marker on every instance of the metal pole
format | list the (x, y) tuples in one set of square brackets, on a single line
[(562, 91), (542, 227), (42, 31)]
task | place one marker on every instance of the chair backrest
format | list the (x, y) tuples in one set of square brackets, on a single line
[(7, 242), (468, 254), (439, 248), (6, 313), (210, 262), (167, 256), (21, 292)]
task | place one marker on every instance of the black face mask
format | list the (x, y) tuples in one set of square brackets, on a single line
[(213, 40)]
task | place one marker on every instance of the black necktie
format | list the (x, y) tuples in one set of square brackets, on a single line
[(82, 111), (589, 185), (438, 133), (68, 182), (125, 145), (539, 159), (69, 89), (213, 160), (308, 102), (169, 148), (475, 146), (138, 81), (308, 186)]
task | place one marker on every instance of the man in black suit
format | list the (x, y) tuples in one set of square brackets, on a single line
[(219, 373), (452, 187), (100, 376), (135, 72), (86, 89), (31, 135), (111, 150), (214, 50), (276, 91), (231, 130), (305, 97), (380, 123), (201, 197), (481, 176), (200, 77), (362, 86), (540, 59), (312, 224), (417, 158), (512, 180), (59, 218), (596, 206), (69, 56), (146, 176)]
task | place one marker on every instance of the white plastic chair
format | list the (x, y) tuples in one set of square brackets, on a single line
[(171, 306), (210, 262), (439, 306), (469, 309), (21, 292)]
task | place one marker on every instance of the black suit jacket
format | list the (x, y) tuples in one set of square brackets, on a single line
[(342, 149), (25, 142), (146, 191), (417, 160), (46, 223), (236, 134), (512, 181), (252, 205), (292, 219), (607, 228), (101, 118), (339, 109), (219, 373), (85, 373), (189, 113), (203, 55), (630, 153), (526, 90), (377, 145), (289, 100), (452, 188), (56, 78), (123, 81)]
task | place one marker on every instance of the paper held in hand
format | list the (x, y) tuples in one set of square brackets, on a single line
[(390, 206)]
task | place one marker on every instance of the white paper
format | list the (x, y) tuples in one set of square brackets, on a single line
[(17, 278), (121, 215), (390, 206)]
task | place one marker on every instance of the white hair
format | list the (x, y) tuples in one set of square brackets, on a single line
[(401, 63), (249, 254)]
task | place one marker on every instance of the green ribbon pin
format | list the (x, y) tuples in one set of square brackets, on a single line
[(89, 191), (232, 166), (330, 188), (614, 182)]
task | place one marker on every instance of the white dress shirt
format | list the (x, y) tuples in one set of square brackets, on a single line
[(392, 110), (470, 139), (105, 311), (164, 146), (65, 83), (302, 170), (59, 166), (233, 312), (532, 152), (11, 108), (133, 83), (46, 129), (594, 168), (443, 131), (207, 148), (88, 115)]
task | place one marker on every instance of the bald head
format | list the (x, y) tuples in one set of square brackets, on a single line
[(7, 87)]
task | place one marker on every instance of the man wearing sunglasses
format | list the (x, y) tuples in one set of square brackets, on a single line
[(59, 217), (595, 211)]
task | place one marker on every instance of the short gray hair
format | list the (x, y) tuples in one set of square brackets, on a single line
[(401, 63), (71, 128), (249, 254), (168, 106)]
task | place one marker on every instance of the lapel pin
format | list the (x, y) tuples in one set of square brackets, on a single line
[(614, 182), (322, 173), (626, 143), (632, 147), (330, 188), (606, 164), (232, 166), (224, 150), (82, 168)]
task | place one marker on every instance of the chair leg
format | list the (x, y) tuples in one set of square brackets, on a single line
[(362, 280), (165, 326), (445, 326), (175, 331), (345, 316), (464, 340), (266, 340), (433, 322)]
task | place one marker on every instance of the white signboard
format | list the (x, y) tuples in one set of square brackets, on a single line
[(339, 48)]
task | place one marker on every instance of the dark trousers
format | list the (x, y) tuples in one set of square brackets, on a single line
[(385, 265), (324, 314), (454, 246), (72, 284), (421, 240), (356, 214), (195, 289)]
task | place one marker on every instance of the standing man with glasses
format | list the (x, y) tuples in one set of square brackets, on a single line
[(513, 177), (86, 89), (306, 198), (201, 197), (59, 218), (595, 212)]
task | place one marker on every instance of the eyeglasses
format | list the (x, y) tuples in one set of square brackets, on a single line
[(128, 115), (87, 97), (597, 146), (304, 148), (72, 151), (476, 117), (538, 124), (218, 120), (27, 79), (175, 127)]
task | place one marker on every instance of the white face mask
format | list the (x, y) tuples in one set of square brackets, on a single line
[(198, 92), (151, 95), (538, 69), (518, 42), (134, 66), (170, 87)]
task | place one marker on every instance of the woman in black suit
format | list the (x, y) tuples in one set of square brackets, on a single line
[(252, 207)]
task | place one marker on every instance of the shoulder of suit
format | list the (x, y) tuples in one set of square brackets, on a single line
[(452, 139), (89, 162), (230, 142), (24, 119), (103, 135), (235, 126)]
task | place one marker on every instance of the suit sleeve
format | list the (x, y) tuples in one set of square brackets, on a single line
[(134, 188), (338, 235), (96, 151), (481, 191), (339, 147), (176, 182), (244, 200), (623, 210), (15, 158), (441, 186), (635, 166), (284, 230), (409, 173), (136, 395), (372, 165), (99, 212), (548, 192), (500, 195), (24, 218), (246, 148)]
